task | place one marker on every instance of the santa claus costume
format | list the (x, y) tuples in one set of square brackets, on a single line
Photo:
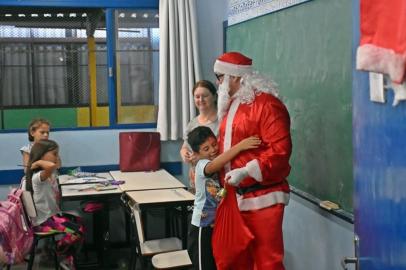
[(259, 174)]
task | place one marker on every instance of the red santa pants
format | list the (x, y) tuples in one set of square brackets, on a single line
[(266, 250)]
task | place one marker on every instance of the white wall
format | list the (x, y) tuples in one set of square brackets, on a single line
[(210, 17), (315, 239)]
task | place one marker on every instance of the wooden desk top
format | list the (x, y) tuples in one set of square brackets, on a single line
[(160, 179), (160, 196)]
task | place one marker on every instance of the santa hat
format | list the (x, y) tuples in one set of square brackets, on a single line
[(233, 63)]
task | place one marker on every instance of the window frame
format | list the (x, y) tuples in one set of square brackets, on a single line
[(111, 34), (83, 4)]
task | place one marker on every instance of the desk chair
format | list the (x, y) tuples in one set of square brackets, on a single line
[(170, 260), (147, 248), (31, 212), (5, 266)]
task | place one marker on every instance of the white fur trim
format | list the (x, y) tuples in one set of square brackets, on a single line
[(229, 128), (231, 69), (262, 201), (254, 170), (381, 60), (223, 98)]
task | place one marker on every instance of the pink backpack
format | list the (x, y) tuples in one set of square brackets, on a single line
[(16, 235)]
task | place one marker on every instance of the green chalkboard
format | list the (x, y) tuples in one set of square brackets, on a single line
[(306, 49)]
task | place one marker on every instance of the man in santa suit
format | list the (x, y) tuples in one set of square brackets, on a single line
[(247, 106)]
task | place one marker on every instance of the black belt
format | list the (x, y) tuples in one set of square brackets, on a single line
[(254, 187)]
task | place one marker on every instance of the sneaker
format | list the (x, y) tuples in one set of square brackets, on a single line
[(64, 266), (67, 263)]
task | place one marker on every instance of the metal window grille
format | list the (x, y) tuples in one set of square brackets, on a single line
[(44, 57)]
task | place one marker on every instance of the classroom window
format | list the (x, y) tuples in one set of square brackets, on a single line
[(137, 52), (53, 64)]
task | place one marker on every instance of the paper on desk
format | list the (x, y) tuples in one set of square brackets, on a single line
[(82, 180), (81, 187), (94, 186)]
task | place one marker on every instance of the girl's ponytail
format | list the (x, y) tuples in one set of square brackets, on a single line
[(38, 150)]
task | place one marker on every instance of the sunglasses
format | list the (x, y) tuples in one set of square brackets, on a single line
[(219, 76)]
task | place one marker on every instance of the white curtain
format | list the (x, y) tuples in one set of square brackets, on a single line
[(179, 66)]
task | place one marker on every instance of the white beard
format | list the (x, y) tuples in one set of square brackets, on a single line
[(251, 85), (224, 99)]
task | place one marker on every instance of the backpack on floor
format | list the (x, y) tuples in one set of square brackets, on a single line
[(16, 235)]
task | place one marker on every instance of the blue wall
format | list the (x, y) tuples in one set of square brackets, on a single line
[(379, 174)]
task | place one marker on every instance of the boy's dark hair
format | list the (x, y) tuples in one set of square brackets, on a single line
[(34, 125), (198, 136), (38, 150)]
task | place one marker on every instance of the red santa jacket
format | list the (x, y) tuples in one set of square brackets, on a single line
[(268, 165)]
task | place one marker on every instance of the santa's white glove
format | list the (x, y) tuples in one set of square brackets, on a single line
[(234, 177)]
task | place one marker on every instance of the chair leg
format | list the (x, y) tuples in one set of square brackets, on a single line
[(56, 263), (133, 253), (142, 260), (177, 214), (168, 221), (32, 254), (133, 245), (132, 264)]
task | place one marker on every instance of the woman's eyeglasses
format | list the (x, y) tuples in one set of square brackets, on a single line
[(219, 76)]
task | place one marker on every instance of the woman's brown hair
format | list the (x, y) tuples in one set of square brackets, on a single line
[(206, 84)]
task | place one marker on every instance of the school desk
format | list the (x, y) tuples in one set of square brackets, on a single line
[(163, 198), (87, 192), (160, 179), (156, 181)]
